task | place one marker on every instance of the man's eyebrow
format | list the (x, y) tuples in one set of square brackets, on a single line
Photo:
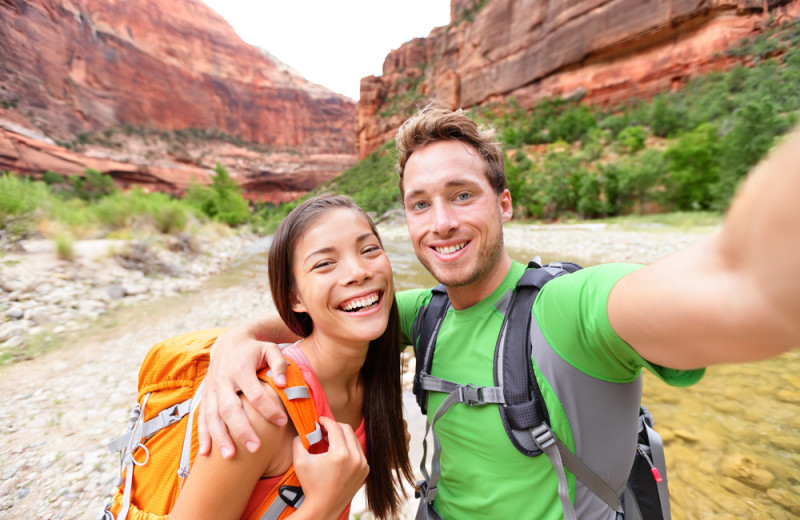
[(452, 183)]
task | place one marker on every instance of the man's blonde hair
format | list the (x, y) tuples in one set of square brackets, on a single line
[(433, 124)]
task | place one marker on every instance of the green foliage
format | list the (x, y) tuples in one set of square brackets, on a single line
[(756, 127), (222, 201), (572, 124), (138, 210), (20, 201), (694, 168), (632, 180), (631, 139), (93, 186), (666, 117), (64, 246), (372, 182)]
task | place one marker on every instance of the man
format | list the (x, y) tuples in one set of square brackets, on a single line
[(714, 302)]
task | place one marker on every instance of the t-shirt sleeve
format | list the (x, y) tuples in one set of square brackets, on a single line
[(572, 311), (408, 303)]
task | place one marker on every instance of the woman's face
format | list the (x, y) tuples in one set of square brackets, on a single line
[(343, 278)]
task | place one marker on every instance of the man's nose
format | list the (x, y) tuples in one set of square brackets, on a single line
[(444, 219)]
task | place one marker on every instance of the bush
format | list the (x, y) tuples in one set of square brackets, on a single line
[(572, 124), (222, 201), (631, 139), (93, 186), (755, 129), (20, 201), (64, 246), (694, 168)]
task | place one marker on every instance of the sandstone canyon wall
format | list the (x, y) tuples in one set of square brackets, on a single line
[(82, 67), (604, 51)]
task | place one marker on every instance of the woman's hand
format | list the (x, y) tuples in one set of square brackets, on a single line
[(235, 358), (331, 479)]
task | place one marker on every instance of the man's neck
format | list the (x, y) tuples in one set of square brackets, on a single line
[(466, 296)]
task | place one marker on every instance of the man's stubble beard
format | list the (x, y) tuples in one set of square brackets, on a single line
[(487, 259)]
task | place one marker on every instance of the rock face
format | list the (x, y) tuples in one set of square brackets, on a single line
[(82, 67), (602, 50)]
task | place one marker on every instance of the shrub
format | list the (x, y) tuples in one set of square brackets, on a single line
[(631, 139), (93, 186), (572, 124), (222, 201), (64, 246), (755, 129), (694, 168), (20, 201)]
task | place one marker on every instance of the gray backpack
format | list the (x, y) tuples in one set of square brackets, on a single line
[(523, 410)]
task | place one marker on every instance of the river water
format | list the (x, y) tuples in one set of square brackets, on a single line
[(732, 441)]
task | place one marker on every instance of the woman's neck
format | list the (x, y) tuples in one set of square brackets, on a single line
[(337, 367)]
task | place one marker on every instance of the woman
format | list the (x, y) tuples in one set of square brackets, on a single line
[(332, 284)]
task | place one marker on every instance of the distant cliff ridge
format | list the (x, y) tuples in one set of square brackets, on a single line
[(78, 68), (604, 51)]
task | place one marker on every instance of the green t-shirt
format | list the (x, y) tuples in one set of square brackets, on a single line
[(482, 474)]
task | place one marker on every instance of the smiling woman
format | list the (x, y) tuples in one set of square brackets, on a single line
[(332, 285)]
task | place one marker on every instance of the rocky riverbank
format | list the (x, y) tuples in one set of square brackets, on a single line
[(60, 409), (42, 296)]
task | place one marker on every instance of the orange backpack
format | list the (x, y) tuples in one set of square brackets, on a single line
[(161, 441)]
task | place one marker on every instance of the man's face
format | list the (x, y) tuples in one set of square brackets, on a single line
[(454, 217)]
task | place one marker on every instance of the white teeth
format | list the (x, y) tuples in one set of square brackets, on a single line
[(359, 303), (450, 249)]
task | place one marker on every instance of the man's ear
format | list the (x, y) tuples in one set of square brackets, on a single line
[(506, 207)]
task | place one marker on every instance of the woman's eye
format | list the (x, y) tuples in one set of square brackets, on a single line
[(371, 249), (322, 264)]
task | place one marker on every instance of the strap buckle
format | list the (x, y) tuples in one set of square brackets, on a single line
[(421, 490), (470, 395), (543, 436), (292, 495)]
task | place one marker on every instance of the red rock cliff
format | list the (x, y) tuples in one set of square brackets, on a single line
[(604, 50), (72, 67)]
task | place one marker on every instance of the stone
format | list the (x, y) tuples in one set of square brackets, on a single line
[(116, 291), (15, 313), (14, 342), (747, 469), (786, 499), (40, 316)]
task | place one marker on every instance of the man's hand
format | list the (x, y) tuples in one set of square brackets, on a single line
[(331, 479), (235, 358)]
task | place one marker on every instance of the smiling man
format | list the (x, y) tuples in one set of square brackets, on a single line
[(713, 302)]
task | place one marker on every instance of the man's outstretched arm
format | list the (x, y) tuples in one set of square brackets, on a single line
[(236, 356), (731, 298)]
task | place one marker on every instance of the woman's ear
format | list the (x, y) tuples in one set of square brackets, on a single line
[(296, 304)]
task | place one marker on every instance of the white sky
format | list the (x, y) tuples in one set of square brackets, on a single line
[(332, 43)]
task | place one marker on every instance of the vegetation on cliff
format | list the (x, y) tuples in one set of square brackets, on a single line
[(681, 151)]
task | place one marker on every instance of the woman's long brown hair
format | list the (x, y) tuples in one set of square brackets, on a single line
[(383, 408)]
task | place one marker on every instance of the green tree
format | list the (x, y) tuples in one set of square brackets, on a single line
[(222, 201), (694, 168)]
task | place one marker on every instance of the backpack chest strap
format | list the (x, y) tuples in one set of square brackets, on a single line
[(471, 395)]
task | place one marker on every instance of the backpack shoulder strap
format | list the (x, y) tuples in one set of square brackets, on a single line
[(524, 407), (423, 336), (287, 495)]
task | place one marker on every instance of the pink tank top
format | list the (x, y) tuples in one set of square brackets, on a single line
[(265, 485)]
